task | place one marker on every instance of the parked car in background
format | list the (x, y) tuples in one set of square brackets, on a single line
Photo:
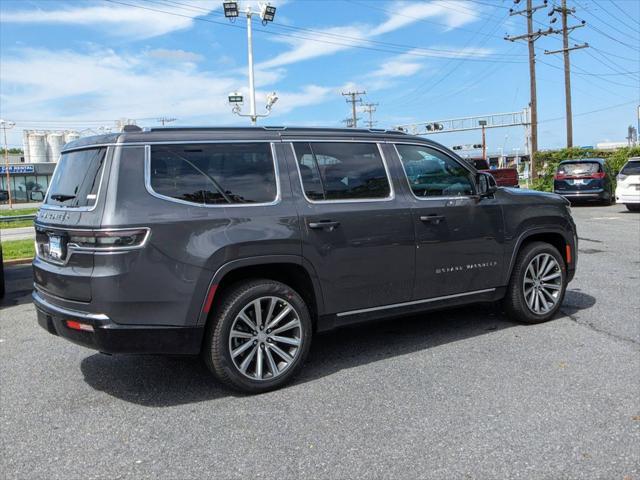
[(628, 185), (246, 242), (4, 195), (505, 177), (584, 179)]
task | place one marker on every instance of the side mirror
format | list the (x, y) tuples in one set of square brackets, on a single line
[(486, 184)]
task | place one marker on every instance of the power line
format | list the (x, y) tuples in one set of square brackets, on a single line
[(370, 109), (612, 107)]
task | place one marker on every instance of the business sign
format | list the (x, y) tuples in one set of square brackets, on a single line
[(16, 169)]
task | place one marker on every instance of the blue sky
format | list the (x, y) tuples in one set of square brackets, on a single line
[(83, 64)]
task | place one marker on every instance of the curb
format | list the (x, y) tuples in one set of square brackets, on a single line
[(17, 261)]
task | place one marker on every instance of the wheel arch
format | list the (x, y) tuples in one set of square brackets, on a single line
[(557, 238), (288, 269)]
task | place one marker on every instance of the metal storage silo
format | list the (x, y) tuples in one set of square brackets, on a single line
[(25, 145), (70, 136), (55, 142), (37, 147)]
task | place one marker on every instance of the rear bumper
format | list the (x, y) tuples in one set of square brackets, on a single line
[(109, 337), (627, 196), (583, 194)]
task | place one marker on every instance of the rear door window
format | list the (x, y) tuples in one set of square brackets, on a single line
[(77, 177), (214, 174), (342, 171)]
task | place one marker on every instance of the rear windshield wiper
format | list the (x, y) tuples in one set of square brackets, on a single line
[(62, 197)]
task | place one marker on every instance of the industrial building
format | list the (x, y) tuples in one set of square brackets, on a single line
[(44, 146)]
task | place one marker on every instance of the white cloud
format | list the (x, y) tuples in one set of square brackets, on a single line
[(103, 84), (177, 55), (453, 13), (402, 66), (120, 20)]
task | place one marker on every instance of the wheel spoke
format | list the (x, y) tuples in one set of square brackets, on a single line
[(553, 276), (284, 355), (536, 304), (272, 305), (239, 334), (542, 265), (289, 341), (272, 365), (292, 324), (245, 363), (247, 320), (280, 316), (545, 305), (549, 295), (242, 348), (528, 280), (552, 286), (258, 309), (259, 354), (550, 266)]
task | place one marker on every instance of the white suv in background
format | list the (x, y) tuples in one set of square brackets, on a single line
[(628, 188)]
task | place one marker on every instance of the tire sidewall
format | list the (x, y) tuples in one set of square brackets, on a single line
[(224, 365)]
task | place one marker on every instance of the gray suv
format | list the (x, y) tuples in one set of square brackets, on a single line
[(240, 244)]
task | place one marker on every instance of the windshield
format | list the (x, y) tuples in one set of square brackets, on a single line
[(579, 168), (631, 168), (77, 178)]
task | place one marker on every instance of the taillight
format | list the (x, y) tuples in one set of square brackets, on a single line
[(108, 239), (560, 176), (599, 175)]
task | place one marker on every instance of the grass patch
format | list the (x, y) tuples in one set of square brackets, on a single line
[(16, 224), (14, 249), (10, 212)]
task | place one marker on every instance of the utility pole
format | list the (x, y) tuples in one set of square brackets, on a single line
[(370, 109), (354, 98), (165, 120), (483, 124), (531, 37), (5, 125), (567, 66), (348, 122)]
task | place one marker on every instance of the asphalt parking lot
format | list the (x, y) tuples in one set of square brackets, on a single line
[(462, 394)]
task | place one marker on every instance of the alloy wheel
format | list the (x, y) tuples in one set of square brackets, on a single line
[(265, 338), (542, 283)]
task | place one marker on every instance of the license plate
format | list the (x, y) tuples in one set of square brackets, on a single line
[(578, 182), (55, 247)]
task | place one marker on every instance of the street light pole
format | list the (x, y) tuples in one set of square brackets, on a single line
[(5, 125), (252, 91)]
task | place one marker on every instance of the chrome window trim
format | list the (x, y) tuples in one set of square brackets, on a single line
[(44, 205), (389, 198), (151, 191), (414, 302), (443, 197)]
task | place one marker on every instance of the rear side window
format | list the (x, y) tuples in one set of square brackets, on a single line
[(214, 174), (579, 168), (434, 174), (631, 168), (77, 178), (342, 171)]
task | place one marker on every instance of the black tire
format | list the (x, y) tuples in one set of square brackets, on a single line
[(633, 207), (216, 349), (514, 302)]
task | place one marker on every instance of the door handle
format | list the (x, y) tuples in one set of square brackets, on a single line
[(434, 219), (324, 225)]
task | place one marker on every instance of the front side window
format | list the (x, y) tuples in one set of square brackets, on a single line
[(214, 174), (76, 179), (342, 171), (433, 174)]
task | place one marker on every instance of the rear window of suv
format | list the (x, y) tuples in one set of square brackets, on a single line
[(579, 168), (214, 174), (77, 177), (631, 168)]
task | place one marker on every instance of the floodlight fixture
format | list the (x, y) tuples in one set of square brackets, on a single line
[(272, 98), (267, 13), (236, 98), (230, 9)]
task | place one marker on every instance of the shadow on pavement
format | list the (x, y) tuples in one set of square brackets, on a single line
[(575, 300), (170, 381)]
